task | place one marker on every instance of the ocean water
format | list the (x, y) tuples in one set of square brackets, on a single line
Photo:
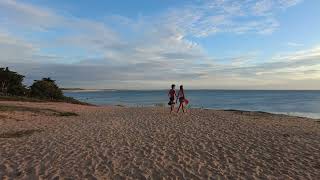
[(299, 103)]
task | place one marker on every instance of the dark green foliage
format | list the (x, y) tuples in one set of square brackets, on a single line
[(67, 114), (18, 134), (20, 98), (11, 83), (72, 101), (12, 89), (46, 89), (47, 112), (33, 99)]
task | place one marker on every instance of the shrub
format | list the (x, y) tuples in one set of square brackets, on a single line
[(11, 83), (46, 89)]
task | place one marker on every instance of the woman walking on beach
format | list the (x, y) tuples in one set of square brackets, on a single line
[(172, 95), (181, 98)]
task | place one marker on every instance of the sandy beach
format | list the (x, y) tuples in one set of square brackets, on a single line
[(67, 141)]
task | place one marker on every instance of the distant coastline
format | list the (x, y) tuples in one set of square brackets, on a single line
[(84, 90)]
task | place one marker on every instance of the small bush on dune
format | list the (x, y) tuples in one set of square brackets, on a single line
[(46, 89), (11, 83), (67, 114)]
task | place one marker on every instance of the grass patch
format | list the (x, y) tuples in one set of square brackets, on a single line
[(120, 105), (19, 98), (18, 134), (160, 105), (37, 110), (68, 114), (30, 99)]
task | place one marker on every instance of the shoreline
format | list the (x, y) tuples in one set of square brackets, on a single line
[(304, 105), (312, 116)]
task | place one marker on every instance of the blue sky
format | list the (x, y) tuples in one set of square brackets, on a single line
[(149, 44)]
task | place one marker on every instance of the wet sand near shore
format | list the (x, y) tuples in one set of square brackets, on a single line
[(68, 141)]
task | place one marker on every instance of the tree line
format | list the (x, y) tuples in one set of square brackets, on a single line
[(12, 85)]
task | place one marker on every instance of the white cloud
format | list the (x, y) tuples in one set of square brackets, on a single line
[(291, 67), (15, 49), (17, 14), (218, 16), (306, 54), (293, 44), (263, 7), (289, 3)]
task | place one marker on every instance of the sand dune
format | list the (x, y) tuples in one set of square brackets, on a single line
[(149, 143)]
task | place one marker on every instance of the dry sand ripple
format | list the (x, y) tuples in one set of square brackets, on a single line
[(149, 143)]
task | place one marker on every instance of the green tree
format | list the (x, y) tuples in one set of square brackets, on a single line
[(11, 83), (46, 89)]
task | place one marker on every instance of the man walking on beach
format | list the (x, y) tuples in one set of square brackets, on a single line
[(172, 96)]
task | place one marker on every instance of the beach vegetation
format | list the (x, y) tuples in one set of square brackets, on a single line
[(159, 105), (18, 134), (11, 83), (46, 89), (68, 114), (49, 112), (120, 105)]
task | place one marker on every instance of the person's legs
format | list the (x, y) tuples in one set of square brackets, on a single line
[(172, 107), (182, 107), (179, 107)]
